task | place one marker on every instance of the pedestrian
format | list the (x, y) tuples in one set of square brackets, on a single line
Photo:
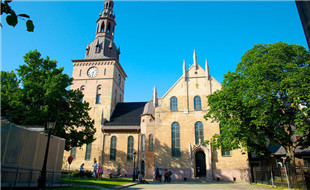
[(141, 180), (82, 170), (95, 170), (100, 171), (160, 174), (157, 174), (137, 172), (166, 176), (169, 175)]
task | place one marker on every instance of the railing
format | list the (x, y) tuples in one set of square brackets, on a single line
[(296, 177)]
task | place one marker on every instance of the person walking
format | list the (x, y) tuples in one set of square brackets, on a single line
[(169, 175), (160, 175), (82, 170), (157, 174), (95, 170), (100, 171), (166, 176)]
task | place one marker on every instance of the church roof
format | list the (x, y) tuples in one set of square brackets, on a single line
[(126, 114)]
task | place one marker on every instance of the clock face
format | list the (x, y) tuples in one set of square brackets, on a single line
[(92, 72)]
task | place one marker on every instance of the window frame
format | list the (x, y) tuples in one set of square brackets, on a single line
[(88, 151), (151, 143), (73, 152), (175, 140), (198, 130), (173, 103), (130, 148), (197, 103), (113, 148)]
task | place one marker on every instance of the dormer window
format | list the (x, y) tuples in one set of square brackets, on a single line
[(97, 48)]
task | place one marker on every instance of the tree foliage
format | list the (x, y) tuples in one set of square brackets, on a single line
[(265, 101), (43, 95), (12, 17)]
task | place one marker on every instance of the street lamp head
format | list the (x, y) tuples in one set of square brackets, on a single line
[(51, 124)]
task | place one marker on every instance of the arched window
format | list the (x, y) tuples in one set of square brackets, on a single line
[(175, 138), (102, 27), (197, 103), (130, 148), (142, 143), (113, 148), (199, 132), (88, 152), (173, 103), (151, 146), (107, 5)]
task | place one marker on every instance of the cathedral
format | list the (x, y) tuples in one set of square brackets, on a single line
[(165, 132)]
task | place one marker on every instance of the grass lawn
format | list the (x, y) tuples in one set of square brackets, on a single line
[(104, 182)]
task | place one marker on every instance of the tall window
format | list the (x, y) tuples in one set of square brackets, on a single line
[(197, 103), (199, 132), (98, 99), (113, 148), (173, 103), (119, 79), (142, 143), (98, 95), (175, 138), (73, 152), (109, 28), (151, 146), (130, 148), (88, 152)]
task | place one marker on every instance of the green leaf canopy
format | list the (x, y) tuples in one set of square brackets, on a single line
[(43, 95), (265, 101)]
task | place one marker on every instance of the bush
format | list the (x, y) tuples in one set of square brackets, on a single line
[(76, 173)]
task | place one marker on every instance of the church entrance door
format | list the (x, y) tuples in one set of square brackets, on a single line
[(200, 164)]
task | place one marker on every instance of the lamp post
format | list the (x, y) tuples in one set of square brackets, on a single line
[(134, 166), (42, 178)]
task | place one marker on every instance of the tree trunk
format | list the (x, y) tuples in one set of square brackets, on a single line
[(290, 155)]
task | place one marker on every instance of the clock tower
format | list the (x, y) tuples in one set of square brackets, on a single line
[(100, 77)]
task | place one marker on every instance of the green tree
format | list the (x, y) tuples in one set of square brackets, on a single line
[(265, 101), (12, 17), (43, 94)]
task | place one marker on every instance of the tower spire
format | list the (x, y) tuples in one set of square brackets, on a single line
[(184, 70), (207, 70), (103, 46), (195, 59), (155, 100)]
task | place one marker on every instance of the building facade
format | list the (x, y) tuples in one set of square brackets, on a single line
[(166, 132)]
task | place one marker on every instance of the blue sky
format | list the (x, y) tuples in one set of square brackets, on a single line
[(154, 36)]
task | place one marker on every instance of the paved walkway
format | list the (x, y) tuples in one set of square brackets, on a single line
[(191, 185)]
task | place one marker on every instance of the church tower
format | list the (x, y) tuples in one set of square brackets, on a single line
[(101, 79)]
